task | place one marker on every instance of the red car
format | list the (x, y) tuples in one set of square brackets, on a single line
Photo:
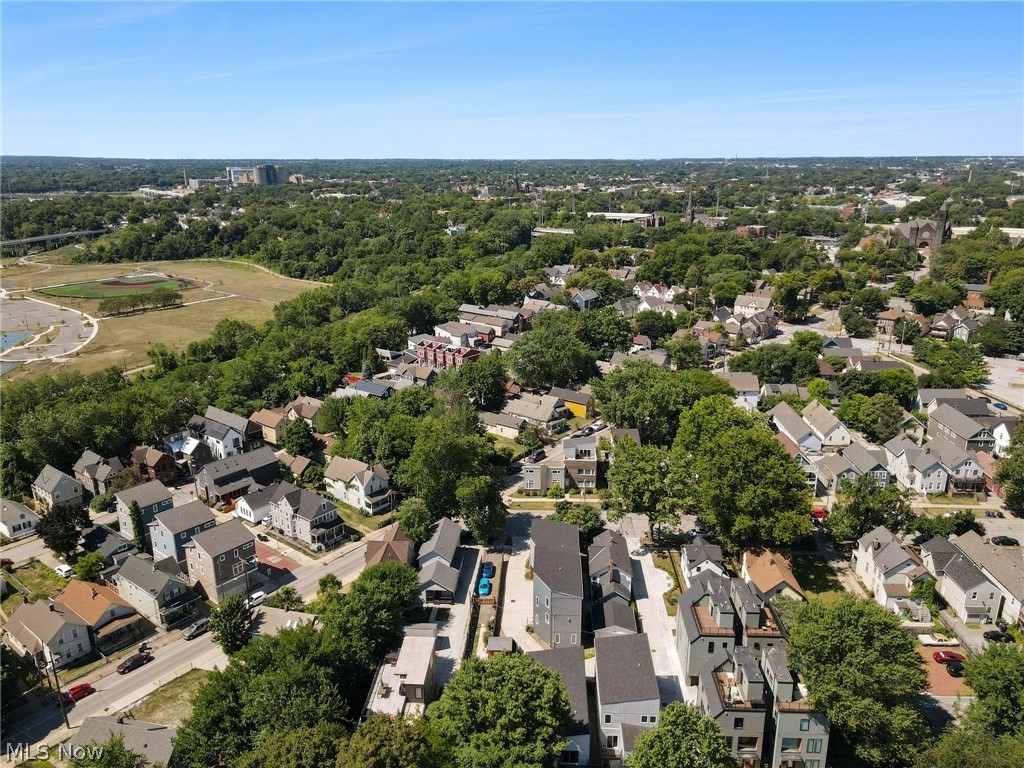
[(948, 657), (76, 692), (819, 513)]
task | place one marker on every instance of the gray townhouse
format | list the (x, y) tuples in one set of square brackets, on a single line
[(797, 733), (52, 487), (628, 701), (760, 628), (219, 560), (963, 431), (237, 475), (155, 590), (152, 497), (732, 692), (94, 472), (557, 583), (1004, 567), (171, 530), (439, 578), (306, 517), (611, 585), (570, 666), (705, 623)]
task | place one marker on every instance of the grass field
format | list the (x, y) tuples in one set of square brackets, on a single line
[(817, 577), (41, 580), (117, 286), (170, 704)]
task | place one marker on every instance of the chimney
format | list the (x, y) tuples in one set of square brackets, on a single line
[(53, 608), (120, 721), (95, 594), (876, 544)]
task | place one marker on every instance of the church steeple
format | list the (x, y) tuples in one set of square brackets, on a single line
[(943, 228)]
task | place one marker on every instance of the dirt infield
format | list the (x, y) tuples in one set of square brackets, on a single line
[(118, 286)]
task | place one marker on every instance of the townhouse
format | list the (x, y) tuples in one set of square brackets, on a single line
[(95, 472), (220, 559), (798, 733), (172, 529), (52, 487), (306, 517), (569, 664), (916, 467), (731, 691), (628, 701), (152, 499), (959, 429), (557, 583)]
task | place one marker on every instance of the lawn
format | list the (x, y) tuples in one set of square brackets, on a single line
[(817, 577), (670, 565), (518, 451), (363, 523), (41, 581), (170, 704), (119, 286)]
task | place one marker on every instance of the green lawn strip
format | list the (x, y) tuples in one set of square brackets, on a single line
[(817, 577), (363, 523), (664, 561), (170, 704)]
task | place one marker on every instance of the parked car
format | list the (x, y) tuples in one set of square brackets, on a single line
[(488, 570), (262, 537), (257, 597), (484, 587), (196, 628), (1005, 541), (998, 636), (989, 513), (948, 657), (134, 662), (598, 425), (76, 692), (1000, 406), (819, 514), (65, 571), (937, 640), (512, 468), (537, 455), (586, 432), (955, 669)]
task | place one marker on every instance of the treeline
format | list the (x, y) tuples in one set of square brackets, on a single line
[(158, 298)]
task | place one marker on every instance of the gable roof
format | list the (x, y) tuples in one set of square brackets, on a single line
[(437, 572), (149, 456), (625, 669), (965, 574), (222, 538), (146, 494), (614, 613), (865, 459), (571, 395), (50, 478), (1005, 566), (89, 601), (100, 538), (958, 423), (217, 472), (191, 515), (790, 422), (941, 550), (444, 539), (396, 546), (238, 423), (556, 555), (609, 549), (701, 550), (302, 503), (153, 742), (345, 470), (267, 417), (569, 664), (11, 511), (145, 574), (821, 419), (885, 550), (41, 621), (950, 454), (927, 395), (769, 569)]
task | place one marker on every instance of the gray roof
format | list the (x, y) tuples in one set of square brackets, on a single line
[(444, 539), (1006, 566), (964, 573), (11, 511), (238, 423), (438, 572), (609, 548), (146, 494), (968, 406), (216, 471), (556, 553), (630, 733), (700, 550), (889, 554), (191, 515), (146, 575), (569, 664), (958, 423), (373, 388), (941, 550), (625, 669), (87, 459), (222, 538), (303, 503), (50, 478), (100, 538), (949, 454), (790, 422), (741, 381), (865, 459), (775, 658), (835, 464), (925, 396), (614, 613), (42, 619), (152, 741), (571, 395), (820, 418)]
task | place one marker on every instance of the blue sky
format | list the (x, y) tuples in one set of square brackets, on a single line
[(524, 80)]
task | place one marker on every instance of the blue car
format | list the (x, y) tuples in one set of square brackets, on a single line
[(488, 571), (484, 588)]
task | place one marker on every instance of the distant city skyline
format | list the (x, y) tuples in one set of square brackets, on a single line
[(526, 80)]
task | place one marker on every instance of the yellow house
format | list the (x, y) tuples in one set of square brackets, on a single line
[(272, 422), (580, 403)]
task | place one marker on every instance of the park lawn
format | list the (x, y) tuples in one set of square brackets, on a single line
[(41, 580), (97, 289), (172, 703), (817, 578)]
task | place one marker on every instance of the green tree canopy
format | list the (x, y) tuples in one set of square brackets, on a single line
[(388, 742), (997, 677), (109, 754), (683, 738), (415, 519), (88, 566), (298, 438), (230, 623), (639, 481), (60, 528), (862, 505)]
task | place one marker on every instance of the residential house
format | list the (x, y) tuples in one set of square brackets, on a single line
[(1003, 567), (915, 467), (543, 411), (583, 299), (305, 408), (438, 577), (16, 520), (1002, 433), (154, 464), (558, 274), (963, 431), (868, 461), (395, 547), (462, 335), (610, 561), (153, 742), (774, 390), (798, 733), (114, 547), (406, 681), (94, 472), (871, 365), (930, 399), (749, 304), (569, 463), (965, 474), (378, 389), (760, 627), (499, 320), (224, 433), (657, 356), (611, 582), (731, 691), (881, 560), (111, 620), (791, 424), (254, 506), (190, 454), (989, 466), (237, 475), (705, 622), (557, 583), (420, 375), (295, 465), (700, 556), (967, 591), (569, 664), (272, 422), (306, 517), (833, 470), (640, 343), (772, 573), (171, 530), (807, 464), (628, 701), (579, 402), (747, 389), (627, 306), (936, 554), (48, 632), (52, 487), (502, 425), (152, 498), (826, 425), (964, 329), (365, 488), (154, 590), (219, 560)]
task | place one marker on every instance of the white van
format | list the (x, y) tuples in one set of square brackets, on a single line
[(65, 571), (256, 598)]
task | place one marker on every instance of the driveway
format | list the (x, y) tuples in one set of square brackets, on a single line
[(453, 634), (940, 682), (649, 584), (517, 595)]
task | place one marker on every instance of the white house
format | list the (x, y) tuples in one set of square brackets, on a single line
[(791, 424), (970, 594), (884, 564), (826, 425), (700, 556), (747, 389), (16, 520), (916, 467), (359, 485), (1003, 567), (254, 506)]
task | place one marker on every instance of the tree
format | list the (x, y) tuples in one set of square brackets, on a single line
[(385, 742), (549, 355), (298, 438), (285, 597), (684, 352), (480, 383), (1010, 472), (60, 528), (507, 710), (863, 670), (482, 506), (862, 505), (856, 323), (683, 738), (779, 363), (925, 591), (230, 623), (997, 337), (997, 677), (906, 330), (312, 746), (638, 479), (903, 285), (956, 524), (971, 746), (88, 566), (584, 516), (415, 520), (930, 297), (110, 754), (879, 417), (138, 526)]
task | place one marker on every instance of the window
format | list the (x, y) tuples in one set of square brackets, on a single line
[(202, 571), (112, 613), (757, 646), (805, 724), (814, 746), (182, 535), (711, 647), (654, 718), (220, 559), (558, 638), (607, 719), (613, 742), (790, 744), (74, 632), (547, 602), (812, 763), (737, 724), (536, 602), (974, 595), (238, 569), (572, 639), (80, 648), (643, 718), (547, 617), (746, 742), (235, 553), (728, 742)]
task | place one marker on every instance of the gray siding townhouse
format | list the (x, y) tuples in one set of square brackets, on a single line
[(970, 594), (761, 629), (964, 432), (628, 701), (611, 584), (53, 487), (962, 467), (798, 734), (219, 560), (306, 517), (705, 623), (171, 530), (569, 664), (161, 596), (1003, 567), (94, 472), (152, 497), (438, 577), (237, 475), (699, 556), (557, 583), (731, 691)]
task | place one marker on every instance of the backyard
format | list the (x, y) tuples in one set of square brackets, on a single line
[(41, 581), (669, 562), (817, 578)]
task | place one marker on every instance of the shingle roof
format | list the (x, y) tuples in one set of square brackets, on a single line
[(964, 573), (223, 537), (344, 469), (302, 503), (394, 547), (191, 515), (769, 569), (144, 574), (556, 551), (925, 396), (11, 511), (569, 664), (820, 418), (949, 454), (90, 602), (51, 477), (790, 422), (32, 620), (1005, 566), (614, 613), (609, 548), (437, 572), (571, 395), (625, 669), (146, 494), (100, 538), (238, 423), (864, 459), (958, 423), (153, 742), (217, 471), (701, 550), (266, 417), (444, 539), (941, 550)]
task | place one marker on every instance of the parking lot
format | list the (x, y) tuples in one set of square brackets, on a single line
[(940, 682)]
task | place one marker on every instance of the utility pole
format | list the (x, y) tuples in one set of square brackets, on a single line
[(56, 685)]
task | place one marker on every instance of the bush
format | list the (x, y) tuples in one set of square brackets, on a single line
[(555, 492)]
